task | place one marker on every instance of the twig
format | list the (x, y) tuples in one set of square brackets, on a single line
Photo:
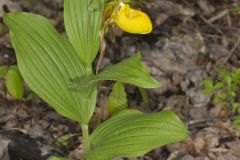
[(218, 16), (211, 25), (204, 121), (102, 53), (231, 52)]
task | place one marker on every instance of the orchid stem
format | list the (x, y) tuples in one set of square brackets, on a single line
[(86, 138)]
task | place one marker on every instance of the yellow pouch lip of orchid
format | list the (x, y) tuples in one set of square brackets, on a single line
[(133, 21)]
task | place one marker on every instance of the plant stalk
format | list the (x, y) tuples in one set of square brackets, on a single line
[(86, 138)]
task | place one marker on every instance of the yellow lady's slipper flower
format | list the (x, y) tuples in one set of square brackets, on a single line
[(132, 21)]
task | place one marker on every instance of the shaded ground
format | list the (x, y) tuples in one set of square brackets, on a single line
[(190, 41)]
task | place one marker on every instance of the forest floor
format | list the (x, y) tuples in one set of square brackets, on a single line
[(190, 42)]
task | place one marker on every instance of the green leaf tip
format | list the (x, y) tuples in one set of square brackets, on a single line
[(6, 17), (11, 18)]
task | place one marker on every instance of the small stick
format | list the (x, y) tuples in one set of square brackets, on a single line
[(218, 16), (211, 25), (231, 52), (102, 50)]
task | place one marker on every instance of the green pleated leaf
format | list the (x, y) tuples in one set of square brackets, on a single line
[(47, 61), (83, 19), (14, 83), (117, 100), (132, 133), (131, 71)]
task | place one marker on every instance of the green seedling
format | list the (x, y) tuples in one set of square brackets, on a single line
[(63, 140), (59, 70), (145, 97), (117, 100), (225, 90), (237, 8), (14, 81)]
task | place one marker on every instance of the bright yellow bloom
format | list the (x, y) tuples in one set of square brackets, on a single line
[(132, 21)]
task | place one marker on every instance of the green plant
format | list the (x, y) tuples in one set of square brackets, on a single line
[(225, 90), (237, 8), (14, 81), (117, 100), (63, 140), (59, 70)]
